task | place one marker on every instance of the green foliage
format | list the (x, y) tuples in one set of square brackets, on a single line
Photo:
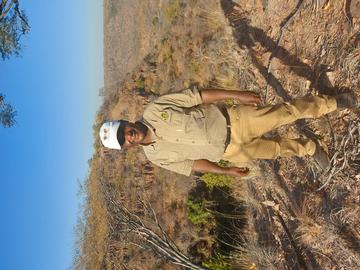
[(13, 24), (217, 180), (218, 262), (224, 163), (166, 51), (197, 212), (113, 9), (173, 10), (194, 66), (155, 21), (7, 113), (229, 102), (140, 82)]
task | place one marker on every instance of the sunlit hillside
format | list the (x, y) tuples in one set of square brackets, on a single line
[(286, 214)]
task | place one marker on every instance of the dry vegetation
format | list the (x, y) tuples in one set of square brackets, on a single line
[(286, 214)]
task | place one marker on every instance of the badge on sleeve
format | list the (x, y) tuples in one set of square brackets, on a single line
[(164, 116)]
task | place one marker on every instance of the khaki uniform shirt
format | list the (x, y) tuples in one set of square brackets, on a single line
[(185, 130)]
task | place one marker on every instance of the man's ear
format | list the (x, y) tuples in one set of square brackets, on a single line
[(141, 126)]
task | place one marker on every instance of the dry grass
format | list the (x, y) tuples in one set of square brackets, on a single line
[(172, 11), (351, 66), (93, 229), (199, 47)]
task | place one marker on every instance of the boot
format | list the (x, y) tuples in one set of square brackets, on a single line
[(347, 100), (321, 157)]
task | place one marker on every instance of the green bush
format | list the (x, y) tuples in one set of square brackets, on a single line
[(173, 10), (217, 180), (218, 262), (140, 82), (197, 212), (155, 21)]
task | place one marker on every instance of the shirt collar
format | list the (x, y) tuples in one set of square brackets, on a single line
[(155, 137)]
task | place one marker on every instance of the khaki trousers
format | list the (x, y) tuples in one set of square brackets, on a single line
[(249, 124)]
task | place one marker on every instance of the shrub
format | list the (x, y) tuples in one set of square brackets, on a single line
[(197, 212), (218, 262), (173, 10), (140, 82), (216, 180)]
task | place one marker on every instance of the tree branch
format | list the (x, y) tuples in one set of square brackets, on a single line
[(7, 9)]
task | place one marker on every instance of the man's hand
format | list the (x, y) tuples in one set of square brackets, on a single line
[(237, 172), (249, 98), (244, 97), (205, 166)]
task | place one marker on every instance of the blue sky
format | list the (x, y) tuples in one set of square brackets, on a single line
[(54, 87)]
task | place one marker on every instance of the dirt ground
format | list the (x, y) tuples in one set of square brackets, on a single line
[(297, 216)]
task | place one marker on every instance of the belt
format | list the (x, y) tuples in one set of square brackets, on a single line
[(228, 126)]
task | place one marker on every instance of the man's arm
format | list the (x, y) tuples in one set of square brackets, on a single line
[(204, 166), (244, 97)]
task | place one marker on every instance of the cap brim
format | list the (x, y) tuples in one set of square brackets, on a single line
[(120, 133)]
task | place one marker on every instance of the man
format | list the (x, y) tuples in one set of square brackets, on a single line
[(185, 132)]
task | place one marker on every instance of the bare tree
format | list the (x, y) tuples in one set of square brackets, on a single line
[(146, 230)]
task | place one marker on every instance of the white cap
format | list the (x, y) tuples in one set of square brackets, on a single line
[(108, 134)]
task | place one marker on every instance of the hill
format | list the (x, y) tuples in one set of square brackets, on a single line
[(287, 214)]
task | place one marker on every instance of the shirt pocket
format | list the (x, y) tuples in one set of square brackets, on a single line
[(174, 120), (194, 122), (174, 157)]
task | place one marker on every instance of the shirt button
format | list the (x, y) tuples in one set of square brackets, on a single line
[(177, 140), (193, 142)]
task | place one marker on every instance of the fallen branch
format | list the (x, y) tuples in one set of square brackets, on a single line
[(297, 250), (147, 231), (347, 12), (346, 151), (299, 257)]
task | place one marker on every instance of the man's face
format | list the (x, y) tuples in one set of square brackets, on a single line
[(133, 135)]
